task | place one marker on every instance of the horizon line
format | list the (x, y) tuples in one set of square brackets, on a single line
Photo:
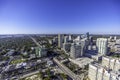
[(57, 33)]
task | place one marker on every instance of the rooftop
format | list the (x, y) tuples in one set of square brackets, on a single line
[(105, 69), (82, 61)]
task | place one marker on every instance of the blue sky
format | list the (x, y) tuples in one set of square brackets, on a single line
[(59, 16)]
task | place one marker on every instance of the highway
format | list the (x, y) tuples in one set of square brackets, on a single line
[(29, 74), (66, 70), (24, 75), (35, 42)]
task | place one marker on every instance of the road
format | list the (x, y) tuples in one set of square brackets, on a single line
[(35, 41), (29, 74), (24, 75), (66, 70)]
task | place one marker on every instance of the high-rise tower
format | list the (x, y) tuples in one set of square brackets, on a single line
[(102, 45)]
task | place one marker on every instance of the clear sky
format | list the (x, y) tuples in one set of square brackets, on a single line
[(59, 16)]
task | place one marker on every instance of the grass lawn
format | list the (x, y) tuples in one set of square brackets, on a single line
[(17, 61)]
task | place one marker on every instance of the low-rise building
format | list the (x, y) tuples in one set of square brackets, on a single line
[(118, 41), (81, 62), (32, 56), (55, 40)]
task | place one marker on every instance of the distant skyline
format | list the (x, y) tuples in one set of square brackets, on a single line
[(59, 16)]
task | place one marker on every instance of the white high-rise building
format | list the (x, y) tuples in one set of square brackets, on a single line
[(84, 44), (66, 39), (75, 51), (111, 63), (108, 70), (111, 37), (77, 40), (115, 38), (70, 38), (98, 72), (102, 45)]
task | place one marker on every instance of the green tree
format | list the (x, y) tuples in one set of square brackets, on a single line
[(63, 76)]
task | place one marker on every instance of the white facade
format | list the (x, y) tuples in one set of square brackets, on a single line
[(108, 70), (102, 45), (118, 41), (111, 63), (84, 44), (77, 40), (75, 51), (69, 38), (66, 39), (115, 38), (97, 72), (111, 37)]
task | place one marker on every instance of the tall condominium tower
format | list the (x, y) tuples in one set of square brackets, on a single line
[(102, 45), (69, 38), (87, 35), (108, 70), (84, 45), (60, 40), (66, 39), (75, 51), (115, 38)]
